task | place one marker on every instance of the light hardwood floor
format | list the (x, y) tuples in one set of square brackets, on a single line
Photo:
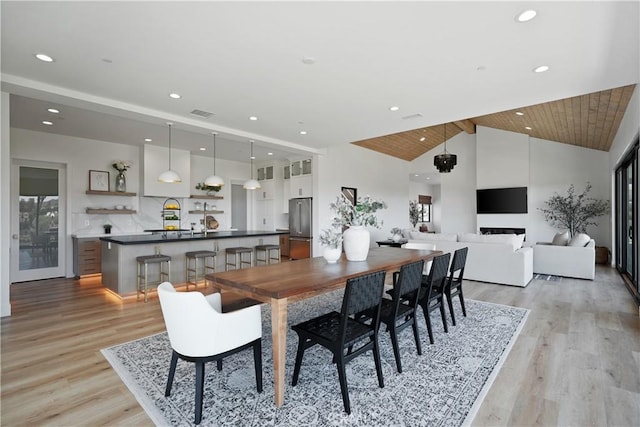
[(576, 362)]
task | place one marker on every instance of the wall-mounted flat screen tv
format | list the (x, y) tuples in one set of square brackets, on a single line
[(502, 200)]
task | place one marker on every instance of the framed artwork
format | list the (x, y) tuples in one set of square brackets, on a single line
[(99, 180), (350, 194)]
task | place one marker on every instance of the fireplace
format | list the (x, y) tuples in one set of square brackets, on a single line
[(502, 230)]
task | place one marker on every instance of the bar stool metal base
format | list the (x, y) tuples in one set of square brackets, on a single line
[(238, 261), (192, 276), (267, 251), (143, 270)]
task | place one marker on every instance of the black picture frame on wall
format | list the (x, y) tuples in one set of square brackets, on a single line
[(350, 194)]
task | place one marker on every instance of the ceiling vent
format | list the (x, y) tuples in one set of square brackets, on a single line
[(412, 116), (201, 113)]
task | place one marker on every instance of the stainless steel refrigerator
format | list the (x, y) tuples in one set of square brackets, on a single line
[(300, 228)]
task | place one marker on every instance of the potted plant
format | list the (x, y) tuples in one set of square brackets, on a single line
[(574, 212), (121, 181), (396, 234), (107, 228), (356, 238), (209, 189), (414, 213), (331, 239)]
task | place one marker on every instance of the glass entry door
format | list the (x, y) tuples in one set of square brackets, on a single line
[(627, 218), (38, 220)]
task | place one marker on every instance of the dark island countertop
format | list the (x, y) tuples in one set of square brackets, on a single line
[(185, 236)]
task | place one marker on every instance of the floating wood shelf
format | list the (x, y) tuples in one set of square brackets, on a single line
[(110, 211), (110, 193), (208, 211), (205, 196)]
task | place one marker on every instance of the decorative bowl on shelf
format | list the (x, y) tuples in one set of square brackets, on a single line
[(119, 207)]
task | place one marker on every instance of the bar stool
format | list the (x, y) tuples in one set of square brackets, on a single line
[(192, 271), (142, 273), (267, 250), (238, 261)]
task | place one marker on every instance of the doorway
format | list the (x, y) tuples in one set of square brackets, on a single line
[(238, 207), (38, 220), (627, 219)]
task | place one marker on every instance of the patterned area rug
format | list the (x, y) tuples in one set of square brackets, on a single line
[(442, 387)]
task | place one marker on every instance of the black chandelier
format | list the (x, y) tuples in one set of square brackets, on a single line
[(446, 161)]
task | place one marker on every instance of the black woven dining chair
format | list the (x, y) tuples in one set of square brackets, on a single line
[(432, 291), (454, 284), (340, 333), (399, 312)]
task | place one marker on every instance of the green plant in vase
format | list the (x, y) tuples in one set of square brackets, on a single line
[(211, 190)]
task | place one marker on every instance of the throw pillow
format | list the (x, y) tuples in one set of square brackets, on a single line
[(518, 241), (579, 239), (561, 238)]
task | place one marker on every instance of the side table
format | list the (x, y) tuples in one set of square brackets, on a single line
[(392, 243)]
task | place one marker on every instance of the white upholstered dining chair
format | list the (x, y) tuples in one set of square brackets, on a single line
[(199, 332)]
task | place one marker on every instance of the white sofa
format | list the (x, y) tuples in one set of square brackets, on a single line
[(566, 261), (496, 258)]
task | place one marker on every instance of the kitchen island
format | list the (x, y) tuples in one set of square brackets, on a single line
[(119, 253)]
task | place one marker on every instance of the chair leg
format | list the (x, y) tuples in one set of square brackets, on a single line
[(199, 390), (416, 335), (450, 303), (427, 318), (342, 376), (257, 361), (396, 349), (464, 310), (172, 371), (443, 315), (219, 364), (376, 359), (299, 354)]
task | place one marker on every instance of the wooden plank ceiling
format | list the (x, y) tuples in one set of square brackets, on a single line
[(589, 121)]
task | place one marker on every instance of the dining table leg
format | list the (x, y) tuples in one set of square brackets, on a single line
[(279, 336)]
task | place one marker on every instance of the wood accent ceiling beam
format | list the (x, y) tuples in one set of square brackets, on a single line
[(466, 125)]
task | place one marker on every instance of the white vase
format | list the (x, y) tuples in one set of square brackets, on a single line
[(355, 240), (332, 255)]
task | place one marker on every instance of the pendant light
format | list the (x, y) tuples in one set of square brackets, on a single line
[(445, 161), (214, 180), (169, 176), (252, 184)]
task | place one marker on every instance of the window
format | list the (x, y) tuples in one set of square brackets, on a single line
[(424, 205)]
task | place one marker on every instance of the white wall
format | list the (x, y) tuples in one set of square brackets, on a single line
[(378, 175), (5, 204), (507, 159), (457, 205)]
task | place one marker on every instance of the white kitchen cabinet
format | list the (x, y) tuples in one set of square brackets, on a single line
[(266, 191), (265, 173), (265, 217), (301, 186), (156, 161)]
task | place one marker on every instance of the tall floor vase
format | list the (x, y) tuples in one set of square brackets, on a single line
[(355, 241)]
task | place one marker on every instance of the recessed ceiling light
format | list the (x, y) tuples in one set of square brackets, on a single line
[(303, 132), (203, 149), (269, 154), (415, 174), (148, 140), (175, 95), (541, 69), (253, 118), (428, 177), (394, 108), (527, 127), (53, 110), (527, 15), (47, 122), (519, 113), (44, 58), (422, 139)]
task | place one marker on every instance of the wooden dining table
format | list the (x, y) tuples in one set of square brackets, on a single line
[(286, 282)]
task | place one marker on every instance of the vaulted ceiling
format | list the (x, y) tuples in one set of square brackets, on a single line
[(589, 121)]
